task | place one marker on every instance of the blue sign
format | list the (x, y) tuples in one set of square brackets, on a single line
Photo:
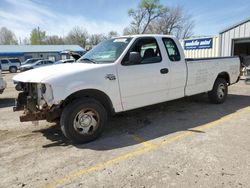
[(205, 43)]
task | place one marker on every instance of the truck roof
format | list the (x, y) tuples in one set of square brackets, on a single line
[(147, 35)]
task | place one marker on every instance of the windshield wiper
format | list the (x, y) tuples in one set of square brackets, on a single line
[(87, 59)]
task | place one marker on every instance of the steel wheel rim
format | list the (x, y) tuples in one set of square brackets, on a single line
[(86, 121), (221, 91)]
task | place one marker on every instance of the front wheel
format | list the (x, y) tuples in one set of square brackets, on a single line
[(219, 93), (83, 120)]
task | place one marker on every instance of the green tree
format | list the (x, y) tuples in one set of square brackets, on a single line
[(147, 11), (37, 36)]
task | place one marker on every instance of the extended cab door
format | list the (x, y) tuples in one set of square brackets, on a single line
[(144, 82), (178, 66)]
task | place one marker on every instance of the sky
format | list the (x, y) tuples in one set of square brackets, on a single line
[(58, 17)]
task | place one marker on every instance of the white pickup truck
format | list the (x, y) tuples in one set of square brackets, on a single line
[(118, 75)]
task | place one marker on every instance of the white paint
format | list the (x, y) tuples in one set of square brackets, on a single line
[(137, 85)]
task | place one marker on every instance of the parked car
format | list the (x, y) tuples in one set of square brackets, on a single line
[(118, 75), (2, 83), (10, 64), (37, 64), (65, 61), (31, 61), (75, 55)]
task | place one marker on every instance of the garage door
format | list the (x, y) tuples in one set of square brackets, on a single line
[(241, 47)]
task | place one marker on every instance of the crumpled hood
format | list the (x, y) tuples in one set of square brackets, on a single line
[(41, 75)]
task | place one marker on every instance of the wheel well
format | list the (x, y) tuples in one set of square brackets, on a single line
[(13, 67), (95, 94), (225, 76)]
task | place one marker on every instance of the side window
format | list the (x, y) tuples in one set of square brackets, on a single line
[(4, 61), (148, 50), (49, 62), (15, 61), (51, 57), (172, 49)]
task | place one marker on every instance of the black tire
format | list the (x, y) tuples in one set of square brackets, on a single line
[(219, 93), (71, 114), (13, 69)]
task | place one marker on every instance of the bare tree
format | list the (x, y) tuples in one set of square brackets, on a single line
[(173, 22), (187, 29), (77, 36), (7, 37), (96, 39), (54, 40), (147, 11), (112, 34), (25, 41)]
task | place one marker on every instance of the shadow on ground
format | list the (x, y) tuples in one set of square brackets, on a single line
[(7, 102), (155, 121)]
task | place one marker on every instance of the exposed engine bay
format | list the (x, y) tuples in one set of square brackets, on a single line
[(35, 99)]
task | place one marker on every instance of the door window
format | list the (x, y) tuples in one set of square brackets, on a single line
[(49, 62), (15, 61), (148, 50), (172, 49), (4, 61)]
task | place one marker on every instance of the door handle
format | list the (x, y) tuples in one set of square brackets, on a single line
[(164, 71)]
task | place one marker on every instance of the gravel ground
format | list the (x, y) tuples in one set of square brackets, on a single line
[(183, 143)]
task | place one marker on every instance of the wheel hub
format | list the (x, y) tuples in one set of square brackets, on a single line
[(221, 91), (86, 122)]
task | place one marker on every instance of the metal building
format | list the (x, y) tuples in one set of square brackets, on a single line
[(51, 52), (235, 40), (201, 47)]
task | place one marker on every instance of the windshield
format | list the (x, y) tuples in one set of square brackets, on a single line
[(106, 52), (30, 61)]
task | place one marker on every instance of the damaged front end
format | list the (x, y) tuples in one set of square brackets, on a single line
[(36, 100)]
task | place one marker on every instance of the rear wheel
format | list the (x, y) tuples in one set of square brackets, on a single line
[(13, 69), (219, 93), (83, 120)]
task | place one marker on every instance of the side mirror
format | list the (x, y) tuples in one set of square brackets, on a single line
[(134, 58)]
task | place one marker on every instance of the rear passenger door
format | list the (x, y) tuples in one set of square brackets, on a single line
[(146, 82), (4, 64)]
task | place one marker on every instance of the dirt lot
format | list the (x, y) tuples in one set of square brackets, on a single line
[(183, 143)]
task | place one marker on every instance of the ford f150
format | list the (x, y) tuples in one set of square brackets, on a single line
[(118, 75)]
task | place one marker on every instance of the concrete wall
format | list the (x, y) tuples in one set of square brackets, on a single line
[(227, 38), (203, 53)]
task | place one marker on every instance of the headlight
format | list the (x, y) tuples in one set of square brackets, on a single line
[(45, 94)]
